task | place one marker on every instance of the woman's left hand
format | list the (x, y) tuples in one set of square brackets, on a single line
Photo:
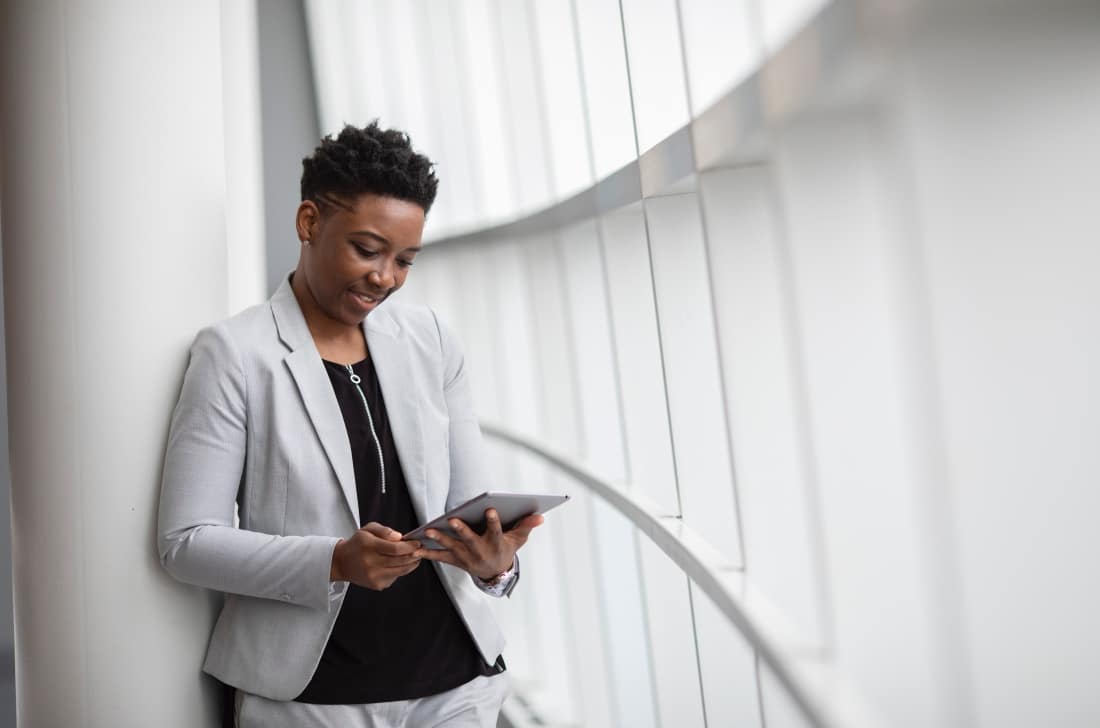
[(484, 556)]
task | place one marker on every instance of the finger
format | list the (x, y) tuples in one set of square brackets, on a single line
[(469, 545), (446, 557), (386, 547), (377, 529), (399, 562), (393, 548), (493, 530), (444, 540), (464, 533), (384, 578), (400, 570), (523, 528)]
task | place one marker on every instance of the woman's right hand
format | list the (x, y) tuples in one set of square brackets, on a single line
[(374, 557)]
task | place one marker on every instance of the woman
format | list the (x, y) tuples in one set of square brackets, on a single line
[(335, 422)]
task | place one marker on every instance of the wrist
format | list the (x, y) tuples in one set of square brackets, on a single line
[(496, 577), (335, 573)]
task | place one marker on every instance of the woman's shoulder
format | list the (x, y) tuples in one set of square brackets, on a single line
[(411, 317), (243, 334), (430, 337), (420, 323), (254, 322)]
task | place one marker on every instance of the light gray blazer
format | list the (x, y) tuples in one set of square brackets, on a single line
[(257, 425)]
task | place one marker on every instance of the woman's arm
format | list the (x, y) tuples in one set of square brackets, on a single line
[(203, 466)]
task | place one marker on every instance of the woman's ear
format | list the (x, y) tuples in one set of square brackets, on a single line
[(307, 220)]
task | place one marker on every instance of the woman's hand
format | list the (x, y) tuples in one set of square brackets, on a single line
[(374, 557), (483, 556)]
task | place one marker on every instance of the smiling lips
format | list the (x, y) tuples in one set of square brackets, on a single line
[(367, 298)]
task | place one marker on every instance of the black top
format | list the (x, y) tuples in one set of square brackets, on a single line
[(407, 641)]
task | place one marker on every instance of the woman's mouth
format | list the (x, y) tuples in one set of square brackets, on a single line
[(366, 300)]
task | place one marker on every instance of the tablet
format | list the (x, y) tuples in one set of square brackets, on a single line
[(512, 508)]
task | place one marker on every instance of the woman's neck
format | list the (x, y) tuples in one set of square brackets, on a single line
[(335, 340)]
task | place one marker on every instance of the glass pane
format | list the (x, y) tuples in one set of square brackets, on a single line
[(484, 94), (521, 85), (458, 203), (586, 611), (513, 336), (625, 620), (591, 342), (324, 23), (722, 45), (728, 666), (607, 89), (692, 374), (672, 638), (763, 407), (371, 89), (656, 69), (782, 19), (641, 377), (592, 346), (473, 299), (563, 96)]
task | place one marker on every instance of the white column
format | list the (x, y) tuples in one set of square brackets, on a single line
[(244, 191), (114, 255)]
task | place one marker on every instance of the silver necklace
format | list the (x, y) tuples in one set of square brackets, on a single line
[(356, 379)]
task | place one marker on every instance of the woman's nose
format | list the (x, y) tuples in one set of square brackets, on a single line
[(381, 277)]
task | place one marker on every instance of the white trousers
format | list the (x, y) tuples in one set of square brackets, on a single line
[(475, 704)]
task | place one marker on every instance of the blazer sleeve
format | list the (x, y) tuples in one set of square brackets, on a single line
[(197, 540)]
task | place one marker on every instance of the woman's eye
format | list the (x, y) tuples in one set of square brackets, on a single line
[(364, 252), (404, 263)]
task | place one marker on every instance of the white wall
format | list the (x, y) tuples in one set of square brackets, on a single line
[(121, 126)]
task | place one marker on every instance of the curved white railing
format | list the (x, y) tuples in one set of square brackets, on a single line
[(807, 673)]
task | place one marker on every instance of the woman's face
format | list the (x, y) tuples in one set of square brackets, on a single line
[(358, 253)]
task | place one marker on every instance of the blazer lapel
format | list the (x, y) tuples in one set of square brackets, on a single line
[(389, 349), (305, 365)]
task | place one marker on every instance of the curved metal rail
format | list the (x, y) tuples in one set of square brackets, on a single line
[(807, 673)]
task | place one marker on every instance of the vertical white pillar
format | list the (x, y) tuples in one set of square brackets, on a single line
[(244, 190), (114, 255)]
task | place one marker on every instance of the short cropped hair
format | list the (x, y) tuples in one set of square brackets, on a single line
[(368, 160)]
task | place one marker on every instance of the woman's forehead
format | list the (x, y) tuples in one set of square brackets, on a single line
[(396, 220)]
